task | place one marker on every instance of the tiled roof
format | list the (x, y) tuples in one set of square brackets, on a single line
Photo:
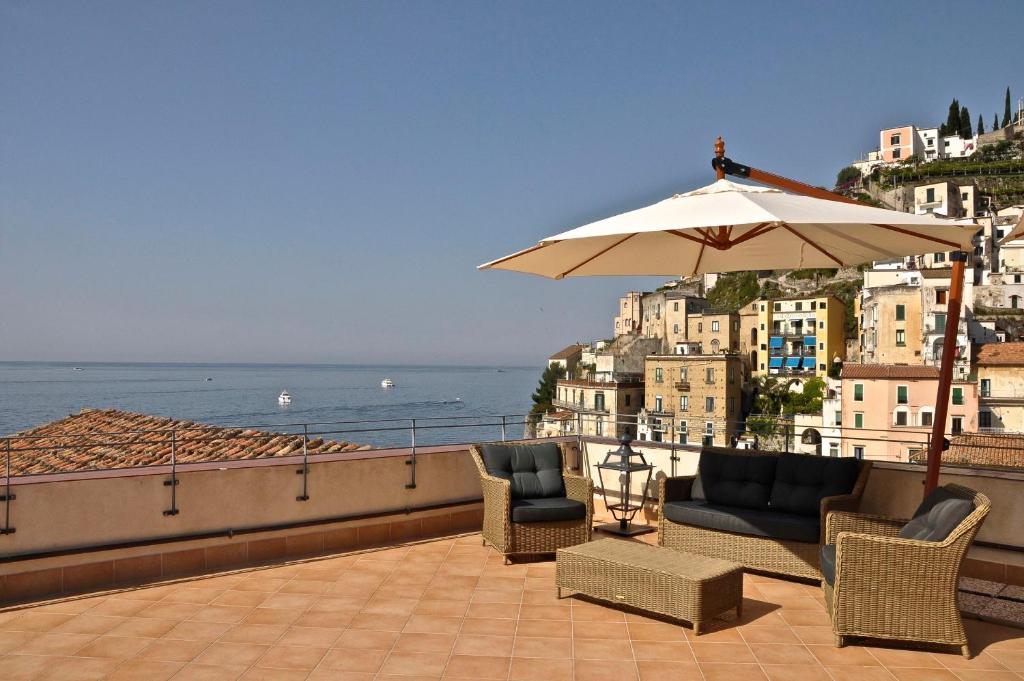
[(936, 273), (566, 353), (559, 415), (889, 371), (96, 439), (1001, 354), (977, 449)]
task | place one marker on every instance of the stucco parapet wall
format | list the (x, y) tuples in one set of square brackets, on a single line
[(578, 383), (967, 471)]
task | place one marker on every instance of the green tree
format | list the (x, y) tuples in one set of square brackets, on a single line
[(771, 394), (545, 393), (995, 122), (965, 124), (981, 125), (952, 124), (1006, 109), (847, 174), (808, 400)]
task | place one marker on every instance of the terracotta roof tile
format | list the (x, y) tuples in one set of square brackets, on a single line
[(981, 449), (889, 371), (1001, 354), (109, 438), (567, 352)]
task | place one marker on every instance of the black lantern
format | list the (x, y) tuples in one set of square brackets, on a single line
[(625, 465)]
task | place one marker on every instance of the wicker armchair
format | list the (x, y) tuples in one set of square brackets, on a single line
[(538, 537), (887, 587)]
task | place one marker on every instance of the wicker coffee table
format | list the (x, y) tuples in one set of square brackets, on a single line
[(664, 581)]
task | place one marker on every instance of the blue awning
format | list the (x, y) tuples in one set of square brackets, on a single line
[(810, 340), (775, 341), (792, 362), (774, 362), (808, 362)]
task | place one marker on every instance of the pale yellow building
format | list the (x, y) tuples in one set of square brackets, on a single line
[(890, 325), (692, 399), (1001, 387), (629, 314), (800, 337), (601, 409)]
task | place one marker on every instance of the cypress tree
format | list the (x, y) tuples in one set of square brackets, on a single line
[(953, 119), (1006, 109), (981, 125), (965, 124), (545, 392), (995, 122)]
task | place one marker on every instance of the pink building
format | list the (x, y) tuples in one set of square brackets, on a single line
[(888, 410), (898, 144)]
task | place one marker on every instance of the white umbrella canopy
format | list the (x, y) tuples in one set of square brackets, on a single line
[(728, 227), (1015, 233)]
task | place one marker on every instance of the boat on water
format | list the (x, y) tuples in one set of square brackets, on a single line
[(77, 369), (387, 383), (209, 378), (284, 398)]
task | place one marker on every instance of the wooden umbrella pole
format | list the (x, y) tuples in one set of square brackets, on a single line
[(949, 348)]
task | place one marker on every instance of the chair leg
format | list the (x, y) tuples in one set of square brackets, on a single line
[(840, 641), (483, 542), (965, 651)]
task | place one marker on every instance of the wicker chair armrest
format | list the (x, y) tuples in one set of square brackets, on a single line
[(675, 489), (905, 563), (497, 491), (861, 523), (579, 488)]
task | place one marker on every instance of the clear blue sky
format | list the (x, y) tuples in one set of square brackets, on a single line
[(247, 181)]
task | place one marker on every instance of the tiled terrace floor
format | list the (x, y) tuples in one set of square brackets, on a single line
[(447, 609)]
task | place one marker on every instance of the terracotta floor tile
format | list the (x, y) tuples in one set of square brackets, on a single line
[(613, 630), (853, 673), (1012, 659), (197, 631), (980, 661), (817, 635), (353, 659), (651, 670), (606, 670), (367, 639), (472, 644), (525, 646), (805, 618), (115, 647), (496, 610), (292, 657), (195, 595), (443, 608), (477, 667), (537, 669), (171, 611), (325, 620), (271, 674), (663, 650), (544, 628), (489, 626), (895, 657), (310, 636), (795, 672), (37, 621), (716, 631), (585, 612), (782, 653), (433, 624), (78, 669), (545, 612), (721, 652), (601, 649), (414, 663), (90, 624), (782, 634), (421, 642), (56, 644), (655, 631), (206, 672), (230, 654), (143, 627), (830, 656), (145, 670), (172, 650), (249, 599), (123, 607), (719, 671), (922, 674), (14, 641), (985, 675), (379, 622), (283, 601), (24, 667), (254, 633)]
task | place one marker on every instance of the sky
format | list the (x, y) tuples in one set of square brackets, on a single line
[(317, 181)]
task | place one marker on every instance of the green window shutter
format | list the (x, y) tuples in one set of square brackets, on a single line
[(858, 392), (901, 313), (901, 394), (958, 395), (858, 420)]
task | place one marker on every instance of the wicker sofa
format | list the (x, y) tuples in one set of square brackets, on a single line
[(763, 510), (531, 504), (896, 579)]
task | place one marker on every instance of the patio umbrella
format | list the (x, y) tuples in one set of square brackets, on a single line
[(727, 227), (1015, 233)]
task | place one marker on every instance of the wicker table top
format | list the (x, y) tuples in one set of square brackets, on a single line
[(656, 558)]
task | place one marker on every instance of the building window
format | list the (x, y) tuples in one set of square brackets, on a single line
[(599, 426), (731, 406), (778, 307), (709, 375), (714, 326), (858, 419), (958, 425), (926, 417), (940, 293), (940, 322), (986, 387), (675, 328), (684, 373), (902, 394), (984, 419), (1015, 300), (901, 313), (930, 194), (894, 140), (684, 403), (599, 401), (896, 153), (700, 327), (709, 404), (626, 400), (901, 418), (682, 433), (659, 375), (657, 403), (858, 451), (958, 396), (901, 338), (833, 449), (858, 392), (675, 307), (709, 434)]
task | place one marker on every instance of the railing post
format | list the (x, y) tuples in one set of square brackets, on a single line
[(411, 461), (8, 497), (173, 482), (672, 439), (503, 429), (305, 465)]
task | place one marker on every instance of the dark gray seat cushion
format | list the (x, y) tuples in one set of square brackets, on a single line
[(547, 509), (828, 564), (729, 478), (749, 521), (802, 481), (534, 470), (937, 516)]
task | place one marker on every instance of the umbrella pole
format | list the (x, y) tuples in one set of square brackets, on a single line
[(949, 347)]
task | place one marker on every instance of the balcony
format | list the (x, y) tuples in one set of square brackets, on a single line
[(682, 386)]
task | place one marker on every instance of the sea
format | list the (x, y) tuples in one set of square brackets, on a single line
[(341, 402)]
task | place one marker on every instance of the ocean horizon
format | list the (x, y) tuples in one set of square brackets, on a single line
[(245, 395)]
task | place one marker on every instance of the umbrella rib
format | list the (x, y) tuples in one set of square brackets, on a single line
[(952, 244), (684, 235), (531, 249), (700, 254), (596, 255), (813, 245), (755, 232)]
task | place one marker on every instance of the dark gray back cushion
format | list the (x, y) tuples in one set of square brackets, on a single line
[(731, 478), (937, 516), (535, 470), (802, 481)]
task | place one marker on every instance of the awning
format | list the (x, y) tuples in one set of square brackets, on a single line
[(808, 362), (775, 341), (774, 362), (792, 362), (810, 341)]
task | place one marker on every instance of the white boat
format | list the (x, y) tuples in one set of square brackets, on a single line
[(284, 398), (387, 383)]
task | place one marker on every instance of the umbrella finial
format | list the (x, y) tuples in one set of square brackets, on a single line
[(720, 155)]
